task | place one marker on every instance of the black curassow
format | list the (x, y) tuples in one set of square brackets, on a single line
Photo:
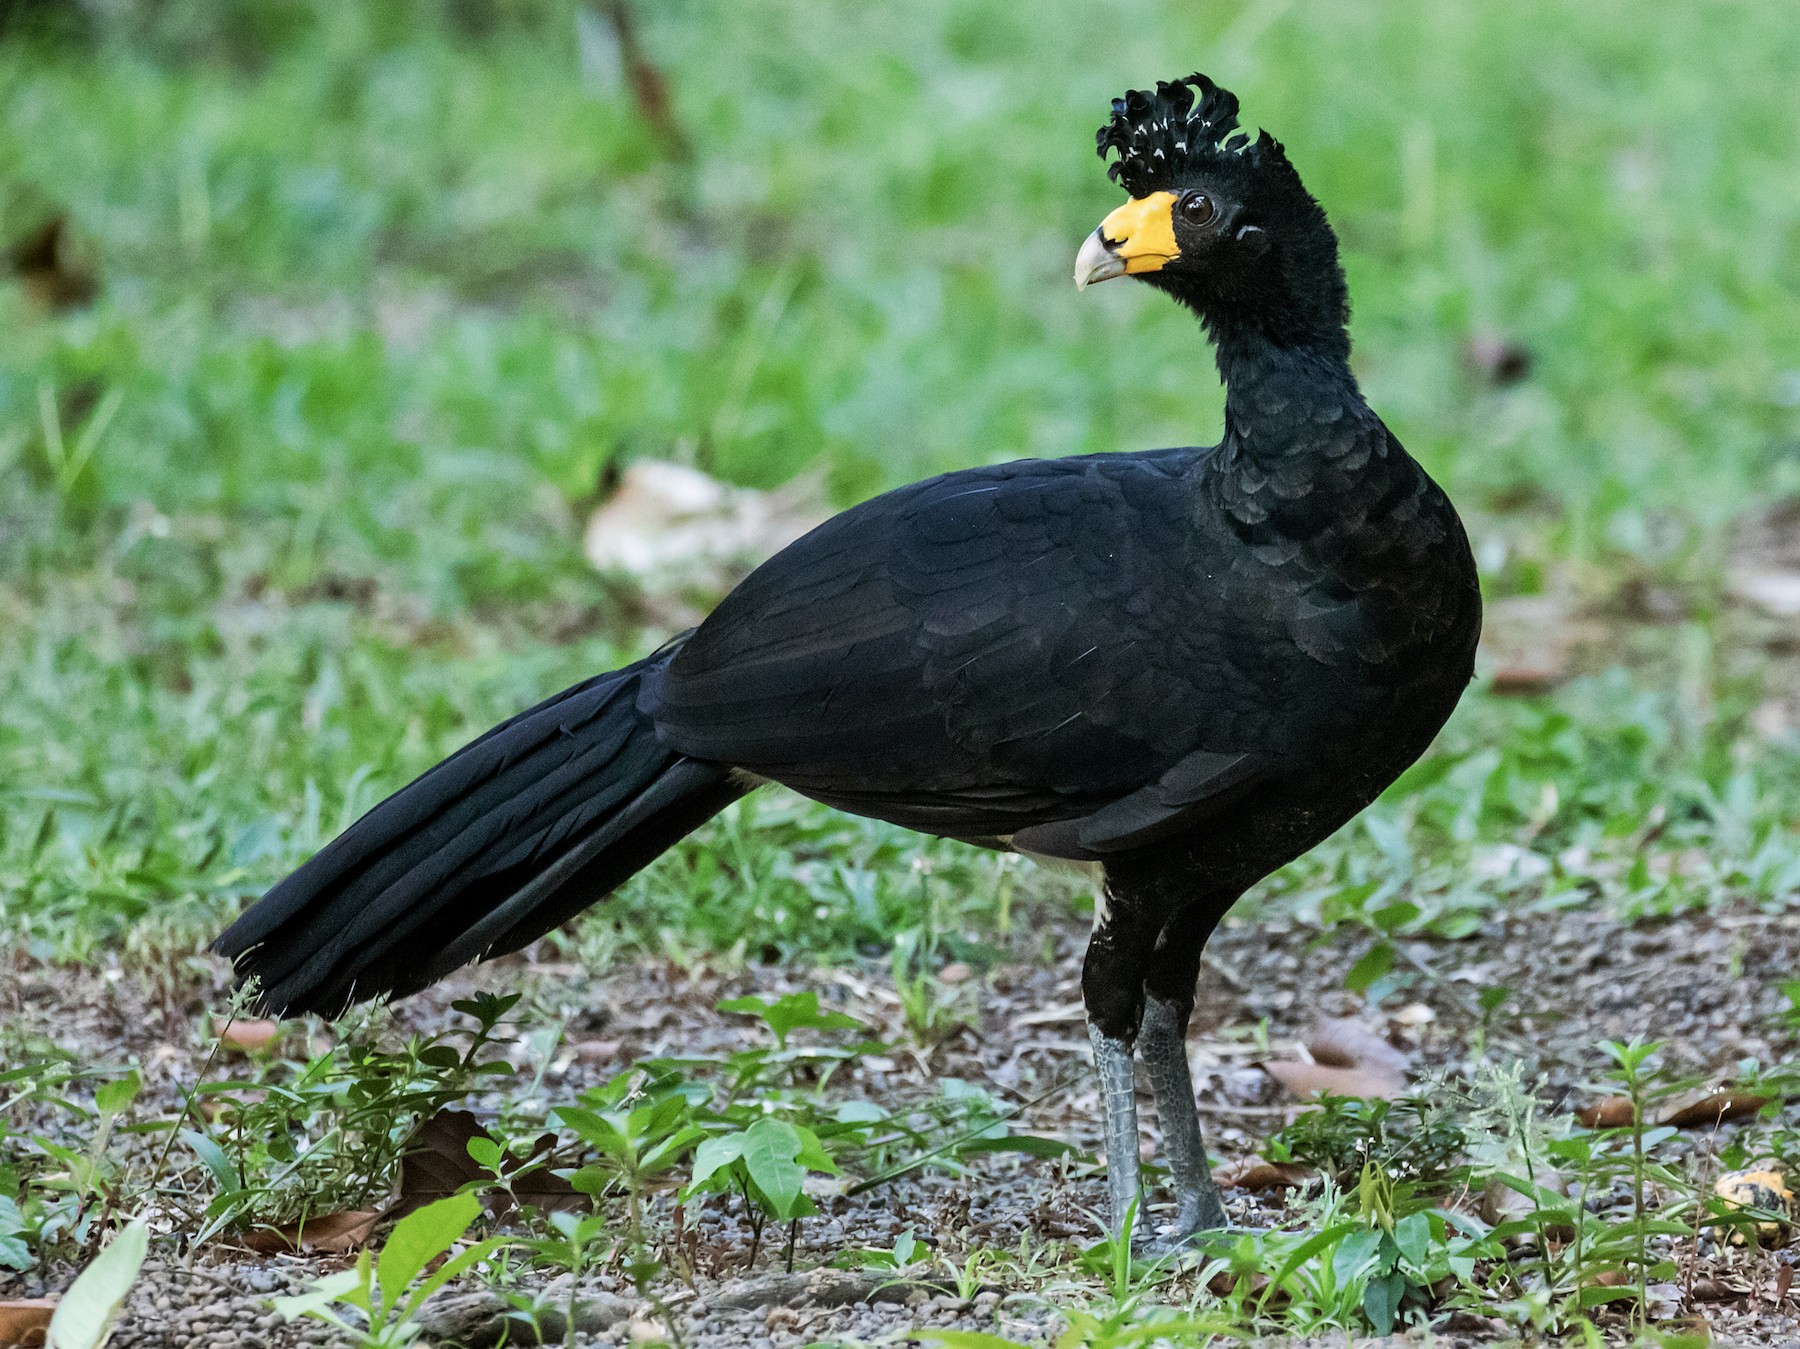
[(1186, 665)]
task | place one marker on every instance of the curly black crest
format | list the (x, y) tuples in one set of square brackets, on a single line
[(1184, 125)]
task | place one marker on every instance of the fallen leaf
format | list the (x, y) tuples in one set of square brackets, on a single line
[(1225, 1282), (327, 1234), (1052, 1016), (673, 527), (1718, 1290), (436, 1163), (1615, 1112), (51, 265), (1714, 1107), (1347, 1059), (1344, 1042), (1784, 1281), (1500, 1203), (1528, 640), (249, 1037), (1312, 1079), (1687, 1111), (1256, 1175), (1527, 675), (24, 1320), (957, 972)]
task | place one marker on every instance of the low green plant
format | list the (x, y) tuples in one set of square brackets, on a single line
[(766, 1162), (328, 1132), (85, 1313), (377, 1302), (752, 1068), (58, 1174), (1416, 1137), (573, 1243)]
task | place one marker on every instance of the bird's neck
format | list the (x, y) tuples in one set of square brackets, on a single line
[(1303, 456), (1280, 397)]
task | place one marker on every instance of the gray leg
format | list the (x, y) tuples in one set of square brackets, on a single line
[(1163, 1043), (1118, 1116)]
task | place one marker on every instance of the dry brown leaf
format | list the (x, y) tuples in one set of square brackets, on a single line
[(436, 1164), (328, 1234), (1528, 641), (1615, 1112), (1718, 1290), (675, 527), (1348, 1059), (1525, 675), (1256, 1175), (51, 265), (1784, 1281), (1224, 1282), (1687, 1111), (1344, 1042), (249, 1037), (1500, 1203), (24, 1320), (1713, 1107), (1311, 1079)]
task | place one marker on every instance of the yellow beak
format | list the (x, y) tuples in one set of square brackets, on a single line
[(1138, 237)]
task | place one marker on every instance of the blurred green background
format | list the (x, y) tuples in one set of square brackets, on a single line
[(353, 305)]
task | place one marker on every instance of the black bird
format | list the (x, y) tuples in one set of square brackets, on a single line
[(1187, 666)]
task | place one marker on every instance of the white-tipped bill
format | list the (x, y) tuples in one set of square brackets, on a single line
[(1097, 261)]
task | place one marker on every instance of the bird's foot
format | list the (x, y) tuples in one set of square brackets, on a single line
[(1198, 1215)]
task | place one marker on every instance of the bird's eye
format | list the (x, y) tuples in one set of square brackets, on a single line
[(1197, 209)]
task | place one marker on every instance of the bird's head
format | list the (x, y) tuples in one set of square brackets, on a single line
[(1216, 218)]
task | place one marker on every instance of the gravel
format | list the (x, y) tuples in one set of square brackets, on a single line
[(1703, 982)]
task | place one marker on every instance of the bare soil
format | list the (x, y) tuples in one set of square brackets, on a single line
[(1705, 983)]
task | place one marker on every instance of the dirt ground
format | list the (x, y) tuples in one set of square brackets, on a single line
[(1704, 983)]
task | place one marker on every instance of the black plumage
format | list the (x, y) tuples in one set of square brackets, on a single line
[(1186, 665)]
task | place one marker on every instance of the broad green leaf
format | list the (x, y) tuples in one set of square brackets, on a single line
[(113, 1097), (794, 1011), (713, 1154), (214, 1159), (322, 1294), (906, 1246), (1375, 962), (771, 1150), (1412, 1234), (450, 1269), (1355, 1253), (419, 1238), (1381, 1301), (84, 1316), (965, 1339), (812, 1154)]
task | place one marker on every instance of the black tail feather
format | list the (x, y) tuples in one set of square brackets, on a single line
[(509, 837)]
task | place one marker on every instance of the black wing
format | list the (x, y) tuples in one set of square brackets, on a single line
[(1019, 650)]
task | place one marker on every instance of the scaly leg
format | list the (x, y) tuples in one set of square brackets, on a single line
[(1118, 1117), (1163, 1043)]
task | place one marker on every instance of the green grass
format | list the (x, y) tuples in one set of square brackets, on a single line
[(385, 289)]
